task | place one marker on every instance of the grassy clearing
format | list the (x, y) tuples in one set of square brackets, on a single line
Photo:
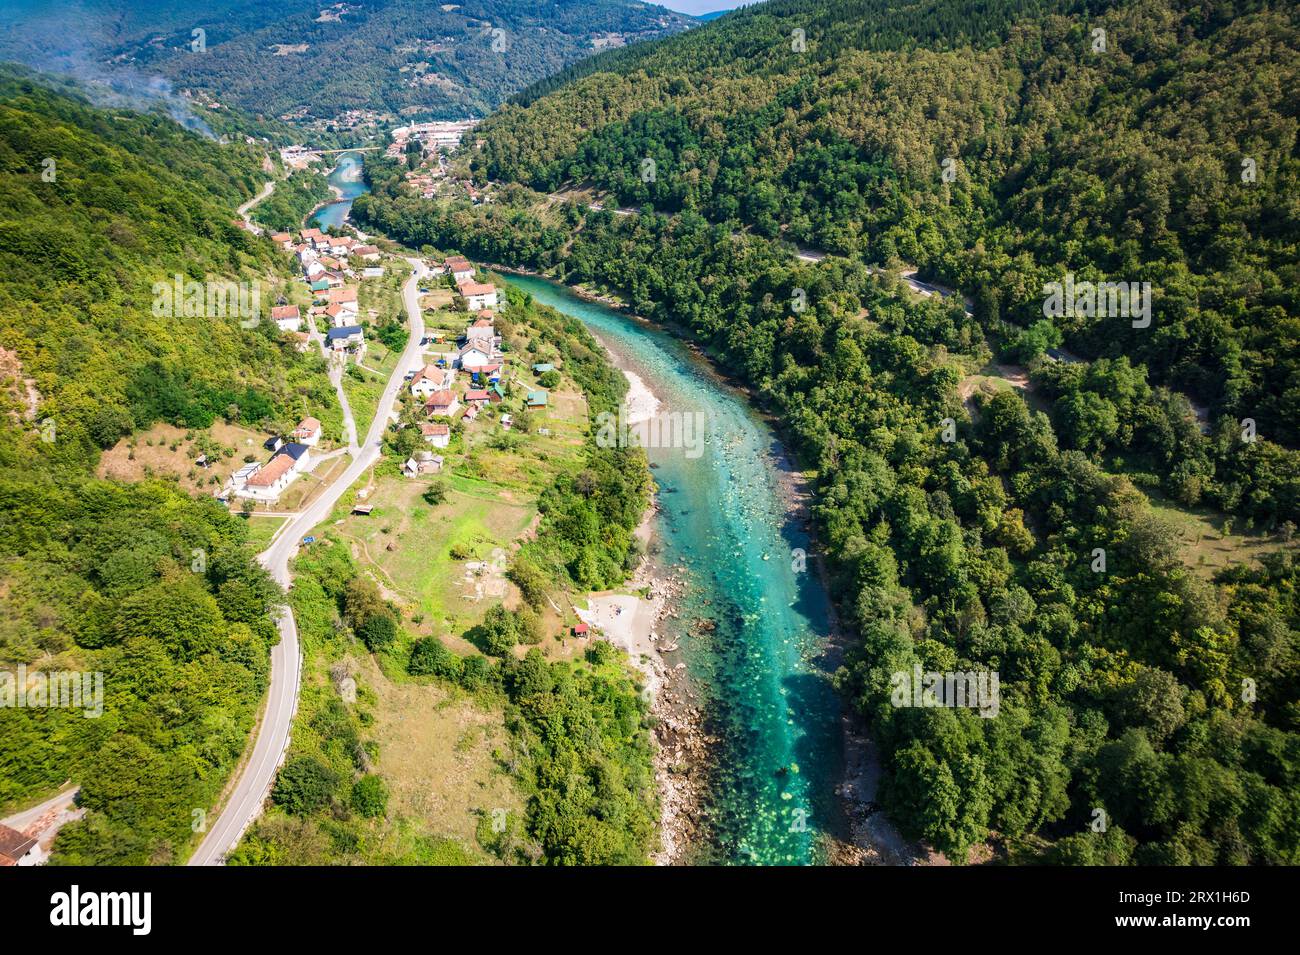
[(1211, 541), (407, 545), (363, 395), (262, 529), (166, 451), (438, 753)]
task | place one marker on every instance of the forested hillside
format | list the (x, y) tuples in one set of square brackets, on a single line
[(151, 590), (132, 200), (1128, 164), (1138, 689), (302, 59)]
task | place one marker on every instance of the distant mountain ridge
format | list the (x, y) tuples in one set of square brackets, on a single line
[(313, 61)]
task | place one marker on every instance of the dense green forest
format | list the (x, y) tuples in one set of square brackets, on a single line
[(155, 591), (1136, 689), (300, 59), (160, 595), (994, 168), (294, 198)]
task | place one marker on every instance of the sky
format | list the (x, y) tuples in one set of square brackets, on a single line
[(697, 7)]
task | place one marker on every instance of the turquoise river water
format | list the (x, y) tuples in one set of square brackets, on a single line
[(346, 177), (761, 673)]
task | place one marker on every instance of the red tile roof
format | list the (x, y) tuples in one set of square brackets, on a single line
[(272, 472), (13, 845)]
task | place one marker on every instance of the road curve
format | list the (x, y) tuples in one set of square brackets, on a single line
[(247, 207), (22, 820), (245, 802)]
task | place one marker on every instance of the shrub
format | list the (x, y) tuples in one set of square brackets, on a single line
[(304, 785), (602, 652), (370, 797), (429, 657), (378, 632)]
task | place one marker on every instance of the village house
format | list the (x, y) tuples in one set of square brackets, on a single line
[(346, 338), (476, 398), (459, 269), (367, 253), (436, 433), (487, 374), (308, 432), (17, 849), (286, 317), (343, 296), (301, 341), (430, 379), (424, 462), (478, 295), (283, 239), (485, 337), (537, 399), (474, 354), (299, 454), (268, 482), (442, 404)]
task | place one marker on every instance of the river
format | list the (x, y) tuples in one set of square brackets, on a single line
[(346, 178), (761, 673)]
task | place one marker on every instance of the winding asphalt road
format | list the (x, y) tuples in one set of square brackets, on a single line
[(247, 207), (245, 801)]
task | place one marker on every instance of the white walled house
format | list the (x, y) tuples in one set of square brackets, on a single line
[(299, 454), (308, 432), (269, 481), (459, 269), (436, 434), (286, 318), (474, 354), (346, 338), (478, 295), (430, 379), (442, 404)]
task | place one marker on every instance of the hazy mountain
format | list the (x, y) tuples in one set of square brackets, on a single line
[(313, 60)]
